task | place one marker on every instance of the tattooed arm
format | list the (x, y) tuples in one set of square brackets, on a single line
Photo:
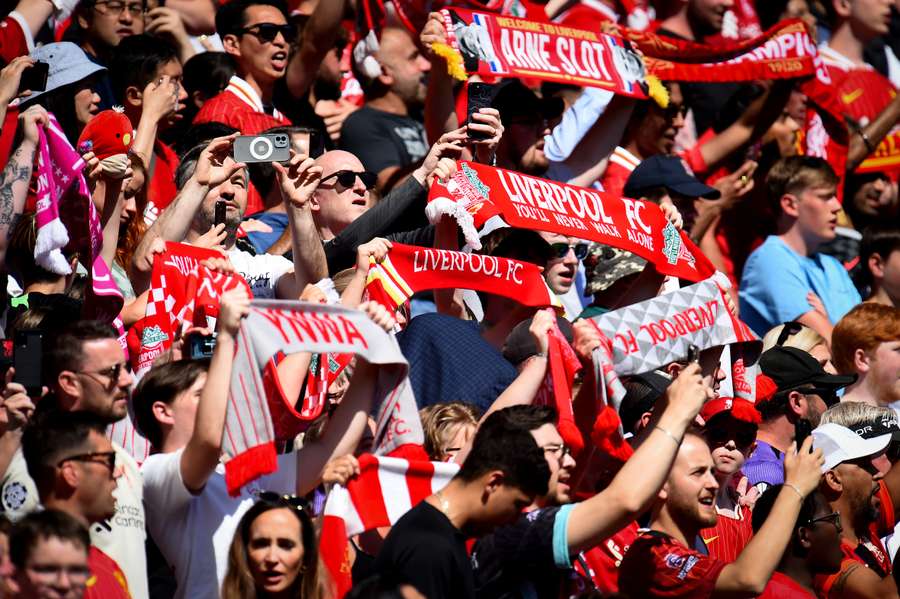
[(17, 174)]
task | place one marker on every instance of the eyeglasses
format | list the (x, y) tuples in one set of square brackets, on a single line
[(267, 32), (116, 8), (674, 110), (346, 178), (559, 450), (112, 373), (561, 250), (743, 437), (834, 518), (291, 501), (106, 458)]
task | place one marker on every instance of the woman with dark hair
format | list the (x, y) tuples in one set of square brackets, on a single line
[(275, 553)]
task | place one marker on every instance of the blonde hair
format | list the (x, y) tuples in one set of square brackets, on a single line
[(851, 414), (441, 421), (806, 339)]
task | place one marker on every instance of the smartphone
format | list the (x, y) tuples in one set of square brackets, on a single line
[(27, 358), (201, 346), (34, 78), (802, 430), (269, 147), (479, 95), (221, 207), (693, 353)]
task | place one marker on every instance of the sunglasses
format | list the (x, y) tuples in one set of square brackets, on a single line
[(106, 458), (346, 178), (834, 518), (787, 331), (112, 373), (743, 437), (291, 501), (559, 450), (561, 250), (267, 32), (828, 394)]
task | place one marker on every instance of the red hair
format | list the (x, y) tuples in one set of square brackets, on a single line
[(864, 327)]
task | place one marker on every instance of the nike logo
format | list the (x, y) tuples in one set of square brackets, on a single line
[(852, 96), (710, 540)]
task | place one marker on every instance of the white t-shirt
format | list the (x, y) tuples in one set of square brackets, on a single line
[(194, 532), (123, 538), (261, 271)]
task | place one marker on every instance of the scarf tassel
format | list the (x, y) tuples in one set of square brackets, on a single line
[(453, 58), (606, 437), (249, 465)]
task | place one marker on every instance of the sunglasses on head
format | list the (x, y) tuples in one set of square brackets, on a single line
[(347, 178), (291, 501), (267, 32), (560, 250)]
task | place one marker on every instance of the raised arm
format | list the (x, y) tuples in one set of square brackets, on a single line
[(201, 455), (316, 41), (636, 485), (348, 423), (10, 77), (35, 13), (874, 132), (751, 571), (298, 181), (17, 174), (440, 106)]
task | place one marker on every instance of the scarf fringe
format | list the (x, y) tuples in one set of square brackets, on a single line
[(51, 238), (453, 58), (439, 207), (249, 465)]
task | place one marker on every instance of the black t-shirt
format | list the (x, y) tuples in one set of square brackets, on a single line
[(425, 550), (516, 561), (381, 139)]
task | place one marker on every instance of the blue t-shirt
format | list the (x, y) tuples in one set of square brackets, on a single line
[(263, 241), (776, 280)]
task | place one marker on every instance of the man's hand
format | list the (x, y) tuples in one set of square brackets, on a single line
[(449, 145), (433, 32), (540, 327), (672, 214), (16, 404), (803, 469), (735, 186), (212, 239), (334, 113), (299, 180), (222, 265), (339, 470), (379, 315), (215, 164), (30, 120), (817, 304), (689, 391), (11, 77), (486, 120), (160, 97), (166, 22), (234, 305), (587, 339), (378, 248)]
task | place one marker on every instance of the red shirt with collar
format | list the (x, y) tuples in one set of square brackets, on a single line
[(657, 565), (229, 109), (729, 536)]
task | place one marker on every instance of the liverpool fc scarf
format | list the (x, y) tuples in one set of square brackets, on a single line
[(291, 327), (556, 388), (385, 489), (409, 269), (477, 193)]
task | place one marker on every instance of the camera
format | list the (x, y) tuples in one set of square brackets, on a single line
[(271, 147)]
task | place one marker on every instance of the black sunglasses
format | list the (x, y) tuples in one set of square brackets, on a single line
[(267, 32), (834, 518), (560, 250), (347, 178), (743, 436), (105, 458), (828, 394), (291, 501), (789, 329)]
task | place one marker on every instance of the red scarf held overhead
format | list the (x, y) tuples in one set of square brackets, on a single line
[(556, 389), (478, 192), (409, 269)]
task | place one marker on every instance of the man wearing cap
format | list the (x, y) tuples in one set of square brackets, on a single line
[(665, 180), (866, 342), (730, 431), (527, 120), (803, 391), (855, 464)]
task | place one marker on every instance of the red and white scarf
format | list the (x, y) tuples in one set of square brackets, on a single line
[(409, 269), (291, 327), (385, 489), (478, 194), (556, 389)]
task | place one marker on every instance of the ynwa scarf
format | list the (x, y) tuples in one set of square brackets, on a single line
[(556, 388), (291, 327), (384, 490), (408, 269), (477, 193)]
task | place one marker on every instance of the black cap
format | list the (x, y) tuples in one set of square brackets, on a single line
[(641, 393), (790, 368), (520, 345), (669, 172)]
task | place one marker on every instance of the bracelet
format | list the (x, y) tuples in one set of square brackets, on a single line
[(866, 140), (668, 434), (796, 490)]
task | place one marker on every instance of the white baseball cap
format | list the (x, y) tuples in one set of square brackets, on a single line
[(840, 444)]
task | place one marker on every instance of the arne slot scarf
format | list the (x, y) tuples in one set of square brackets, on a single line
[(385, 489), (290, 327)]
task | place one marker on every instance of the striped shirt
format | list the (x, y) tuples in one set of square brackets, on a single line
[(239, 106)]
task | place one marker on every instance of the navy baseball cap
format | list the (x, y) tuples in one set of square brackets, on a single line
[(669, 172)]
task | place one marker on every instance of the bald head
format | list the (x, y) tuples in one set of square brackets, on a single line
[(334, 206)]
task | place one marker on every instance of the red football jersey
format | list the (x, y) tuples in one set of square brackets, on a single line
[(601, 563), (657, 565), (729, 536), (107, 580)]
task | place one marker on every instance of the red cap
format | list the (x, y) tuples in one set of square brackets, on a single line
[(765, 388), (741, 409)]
